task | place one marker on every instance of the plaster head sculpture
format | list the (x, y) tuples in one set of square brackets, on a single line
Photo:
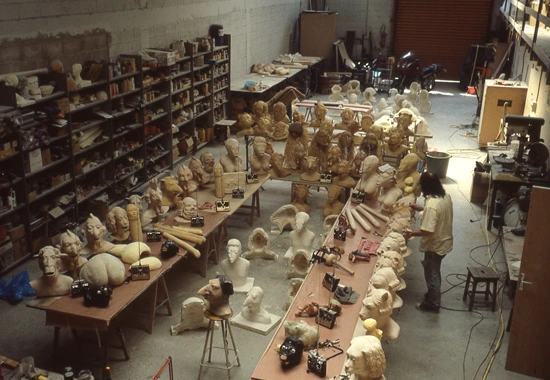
[(208, 161), (343, 178), (368, 183), (365, 359), (52, 283), (385, 278), (259, 160), (336, 95), (300, 193), (136, 233), (420, 148), (410, 106), (245, 123), (70, 245), (277, 166), (378, 306), (347, 118), (231, 162), (186, 181), (279, 113), (12, 81), (199, 174), (171, 191), (235, 267), (76, 71), (118, 224), (216, 294), (407, 169), (353, 99), (187, 208), (333, 205), (354, 87), (258, 246), (402, 242), (332, 159), (345, 143), (252, 307), (389, 192), (301, 237), (219, 190), (311, 170), (357, 163), (394, 260), (425, 106), (94, 231)]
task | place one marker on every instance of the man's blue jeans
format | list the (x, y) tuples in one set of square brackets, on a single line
[(432, 274)]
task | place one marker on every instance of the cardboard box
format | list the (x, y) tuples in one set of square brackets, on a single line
[(17, 235), (480, 187), (186, 144), (33, 161), (46, 157), (165, 57)]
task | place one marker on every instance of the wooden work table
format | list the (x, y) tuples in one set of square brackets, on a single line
[(269, 367)]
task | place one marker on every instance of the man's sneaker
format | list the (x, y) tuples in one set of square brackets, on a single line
[(424, 306)]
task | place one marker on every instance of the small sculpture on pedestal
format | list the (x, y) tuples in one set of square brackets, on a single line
[(343, 178), (199, 174), (389, 192), (259, 160), (322, 122), (118, 224), (51, 283), (236, 268), (94, 232), (300, 236), (312, 170), (420, 148), (253, 316), (280, 122), (369, 96), (300, 193), (186, 181), (258, 246), (153, 197), (365, 359), (378, 306), (296, 146), (405, 118), (368, 183), (70, 246), (333, 205), (187, 208), (231, 162), (80, 83), (216, 294), (277, 168)]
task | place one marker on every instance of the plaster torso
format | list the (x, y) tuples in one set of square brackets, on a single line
[(368, 185), (231, 164), (260, 316), (344, 180), (389, 196), (259, 164), (302, 240), (52, 286), (237, 272), (331, 208)]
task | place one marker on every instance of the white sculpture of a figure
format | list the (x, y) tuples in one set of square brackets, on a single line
[(300, 236), (94, 232), (259, 160), (51, 283), (258, 246), (389, 192), (252, 307), (369, 96), (231, 162), (76, 70), (365, 359), (378, 306), (368, 183), (236, 268), (12, 81), (394, 260), (336, 95), (216, 294), (424, 106), (70, 245)]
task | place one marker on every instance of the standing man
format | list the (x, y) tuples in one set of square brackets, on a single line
[(436, 232)]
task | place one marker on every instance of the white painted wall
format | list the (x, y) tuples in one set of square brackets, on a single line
[(260, 29)]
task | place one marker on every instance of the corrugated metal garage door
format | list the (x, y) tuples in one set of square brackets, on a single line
[(441, 31)]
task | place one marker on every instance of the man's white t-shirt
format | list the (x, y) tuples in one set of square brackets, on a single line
[(437, 218)]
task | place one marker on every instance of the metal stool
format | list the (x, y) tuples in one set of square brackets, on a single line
[(225, 327), (484, 275)]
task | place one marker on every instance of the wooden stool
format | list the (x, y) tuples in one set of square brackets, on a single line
[(225, 327), (484, 275)]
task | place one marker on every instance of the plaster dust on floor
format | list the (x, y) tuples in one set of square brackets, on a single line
[(450, 345)]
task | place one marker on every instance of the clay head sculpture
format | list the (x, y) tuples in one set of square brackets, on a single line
[(279, 113), (94, 231), (343, 178), (171, 191), (235, 267), (199, 174), (231, 162), (357, 162), (208, 161), (70, 245), (345, 143), (319, 146), (245, 124), (216, 294), (378, 305), (385, 278), (277, 168), (280, 131), (252, 307), (407, 169), (118, 224), (187, 208), (259, 160), (186, 181), (52, 283), (300, 193), (333, 204), (365, 358)]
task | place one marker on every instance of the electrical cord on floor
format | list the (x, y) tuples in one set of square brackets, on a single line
[(454, 285), (479, 217)]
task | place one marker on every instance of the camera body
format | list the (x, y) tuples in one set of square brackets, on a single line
[(140, 272), (326, 317), (154, 236), (340, 234), (331, 281), (357, 196), (169, 249), (326, 178), (237, 193), (197, 221), (79, 288), (98, 296), (316, 363), (222, 206), (252, 178), (290, 352)]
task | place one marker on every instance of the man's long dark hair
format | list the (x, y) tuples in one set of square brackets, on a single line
[(431, 185)]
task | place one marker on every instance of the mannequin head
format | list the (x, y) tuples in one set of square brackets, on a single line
[(233, 250), (208, 162), (279, 111), (232, 147), (365, 358), (69, 243)]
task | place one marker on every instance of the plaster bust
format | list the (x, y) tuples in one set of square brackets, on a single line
[(208, 162), (199, 174), (301, 237), (216, 294), (312, 170), (187, 208), (365, 359), (378, 306), (343, 178), (368, 183), (389, 192), (277, 168), (259, 160), (52, 283), (235, 267), (76, 70), (118, 224), (333, 205), (70, 245), (279, 113), (385, 278), (186, 181), (252, 307), (395, 145), (231, 162), (94, 232)]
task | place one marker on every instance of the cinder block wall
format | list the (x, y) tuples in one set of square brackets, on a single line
[(260, 29)]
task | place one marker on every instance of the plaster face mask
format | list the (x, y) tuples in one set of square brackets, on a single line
[(189, 209), (70, 245), (233, 253), (208, 163), (94, 230), (49, 263)]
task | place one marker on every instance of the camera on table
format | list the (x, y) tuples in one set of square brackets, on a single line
[(140, 272), (154, 236), (326, 178), (169, 249), (340, 234), (290, 352), (197, 221), (357, 196), (222, 206), (98, 296), (252, 178), (237, 193), (326, 317), (331, 281), (316, 363), (79, 288)]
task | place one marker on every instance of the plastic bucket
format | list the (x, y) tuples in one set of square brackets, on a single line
[(438, 162)]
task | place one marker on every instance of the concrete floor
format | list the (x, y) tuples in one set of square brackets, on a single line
[(451, 345)]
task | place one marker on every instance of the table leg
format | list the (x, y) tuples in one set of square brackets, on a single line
[(106, 348), (166, 302), (153, 308)]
